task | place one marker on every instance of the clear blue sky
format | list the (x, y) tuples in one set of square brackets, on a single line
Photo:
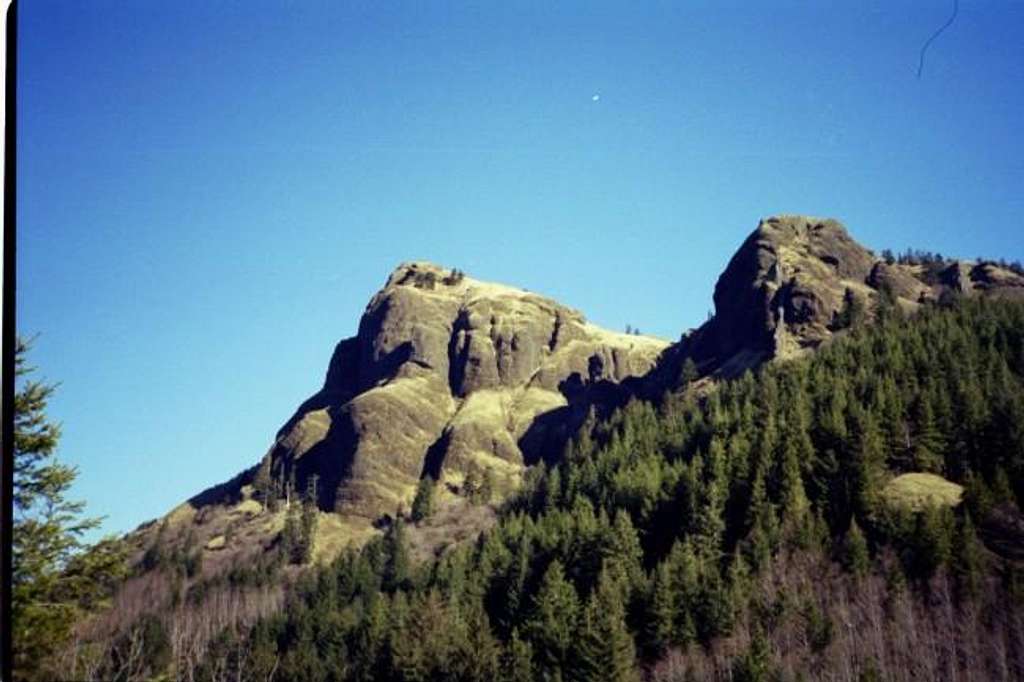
[(210, 192)]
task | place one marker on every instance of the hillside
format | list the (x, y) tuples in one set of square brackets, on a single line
[(823, 480)]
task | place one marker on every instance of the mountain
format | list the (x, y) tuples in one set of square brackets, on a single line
[(821, 481), (449, 374)]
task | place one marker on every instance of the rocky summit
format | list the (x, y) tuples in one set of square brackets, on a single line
[(797, 280), (445, 374)]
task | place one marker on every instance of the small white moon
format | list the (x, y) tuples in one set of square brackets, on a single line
[(595, 98)]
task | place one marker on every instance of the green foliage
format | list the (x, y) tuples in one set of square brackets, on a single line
[(552, 625), (931, 541), (454, 277), (397, 566), (478, 486), (688, 373), (424, 280), (518, 660), (298, 537), (52, 579), (820, 629), (755, 665), (604, 648), (423, 503), (968, 559), (855, 551), (852, 314)]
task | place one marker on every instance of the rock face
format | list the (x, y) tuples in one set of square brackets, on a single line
[(446, 374), (788, 287)]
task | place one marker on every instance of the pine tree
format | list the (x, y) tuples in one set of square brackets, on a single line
[(604, 648), (398, 566), (517, 662), (290, 539), (552, 625), (755, 665), (868, 465), (852, 313), (622, 550), (423, 503), (371, 638), (688, 373), (551, 490), (794, 503), (855, 551), (764, 526), (710, 515), (932, 540), (664, 605), (929, 448), (308, 523), (686, 580), (47, 527), (968, 558)]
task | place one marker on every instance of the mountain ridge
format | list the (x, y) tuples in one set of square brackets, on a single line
[(448, 373)]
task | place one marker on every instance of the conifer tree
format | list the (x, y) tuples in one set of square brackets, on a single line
[(47, 527), (517, 662), (755, 665), (308, 522), (423, 503), (855, 551), (686, 575), (763, 538), (396, 550), (868, 465), (795, 505), (552, 625), (968, 558), (664, 605), (623, 551), (710, 516), (932, 540), (604, 650), (928, 443), (551, 490), (688, 373), (290, 539)]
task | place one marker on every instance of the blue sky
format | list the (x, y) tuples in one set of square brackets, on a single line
[(209, 193)]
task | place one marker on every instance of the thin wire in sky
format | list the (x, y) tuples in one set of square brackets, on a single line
[(924, 48)]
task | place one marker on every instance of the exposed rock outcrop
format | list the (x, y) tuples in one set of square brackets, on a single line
[(787, 288), (447, 373)]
